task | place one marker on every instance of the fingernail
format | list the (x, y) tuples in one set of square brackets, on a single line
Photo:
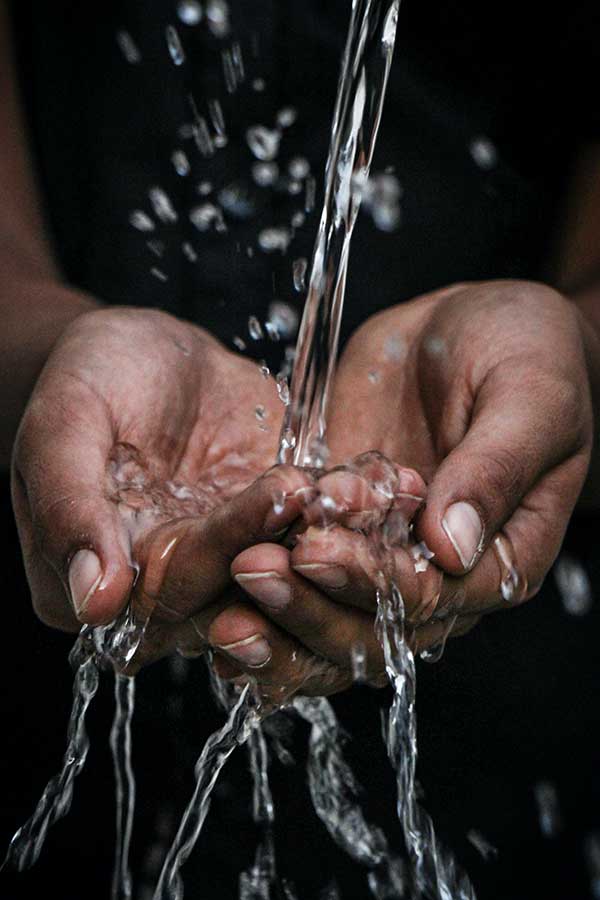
[(253, 651), (465, 531), (268, 588), (330, 576), (85, 574)]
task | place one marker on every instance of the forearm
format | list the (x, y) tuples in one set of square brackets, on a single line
[(587, 301), (35, 306)]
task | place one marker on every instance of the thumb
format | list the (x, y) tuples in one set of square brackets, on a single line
[(522, 426), (75, 546)]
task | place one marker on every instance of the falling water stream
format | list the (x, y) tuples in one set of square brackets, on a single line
[(432, 872)]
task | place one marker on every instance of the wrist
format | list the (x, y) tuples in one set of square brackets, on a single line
[(34, 312)]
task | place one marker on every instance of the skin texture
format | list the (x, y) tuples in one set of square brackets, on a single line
[(465, 395)]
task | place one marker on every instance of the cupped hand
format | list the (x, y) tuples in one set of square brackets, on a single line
[(483, 389), (140, 459)]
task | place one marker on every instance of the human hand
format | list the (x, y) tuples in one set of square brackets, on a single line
[(140, 447)]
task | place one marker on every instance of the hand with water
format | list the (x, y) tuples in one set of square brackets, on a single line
[(140, 458), (484, 389)]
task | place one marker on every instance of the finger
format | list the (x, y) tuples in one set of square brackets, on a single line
[(341, 564), (513, 567), (524, 423), (67, 524), (431, 638), (280, 665), (360, 495), (185, 564), (326, 628)]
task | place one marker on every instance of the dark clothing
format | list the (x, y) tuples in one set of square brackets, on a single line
[(512, 704)]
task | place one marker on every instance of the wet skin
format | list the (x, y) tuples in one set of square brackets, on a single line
[(483, 390)]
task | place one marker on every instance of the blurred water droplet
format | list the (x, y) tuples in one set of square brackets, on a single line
[(229, 72), (264, 369), (358, 655), (548, 809), (272, 331), (260, 413), (258, 85), (128, 47), (265, 173), (207, 216), (284, 318), (381, 198), (162, 205), (486, 850), (298, 220), (278, 498), (255, 329), (158, 273), (263, 142), (239, 343), (189, 12), (203, 138), (310, 196), (484, 152), (574, 586), (175, 46), (591, 850), (237, 201), (141, 221), (238, 62), (189, 252), (286, 116), (272, 240), (217, 14), (180, 162), (204, 188), (394, 348), (156, 247), (299, 168), (374, 376), (299, 273), (283, 389), (216, 116)]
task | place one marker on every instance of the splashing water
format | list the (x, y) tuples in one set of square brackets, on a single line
[(120, 743)]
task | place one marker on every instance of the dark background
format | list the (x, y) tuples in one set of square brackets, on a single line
[(510, 705)]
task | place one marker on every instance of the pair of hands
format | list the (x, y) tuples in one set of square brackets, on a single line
[(141, 448)]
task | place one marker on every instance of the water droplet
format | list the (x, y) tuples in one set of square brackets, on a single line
[(394, 348), (259, 85), (283, 388), (189, 12), (128, 47), (203, 138), (263, 142), (229, 72), (141, 221), (217, 14), (156, 247), (237, 201), (299, 273), (272, 240), (272, 332), (162, 205), (421, 555), (482, 845), (265, 173), (310, 195), (175, 46), (381, 198), (207, 216), (278, 498), (238, 62), (264, 369), (284, 317), (299, 168), (239, 343), (298, 220), (374, 376), (286, 116), (189, 252), (574, 586), (260, 413), (548, 809), (293, 187), (158, 273), (484, 152), (358, 655), (216, 116), (180, 163), (204, 188), (255, 329), (288, 439)]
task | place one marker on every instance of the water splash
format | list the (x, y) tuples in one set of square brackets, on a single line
[(120, 743)]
